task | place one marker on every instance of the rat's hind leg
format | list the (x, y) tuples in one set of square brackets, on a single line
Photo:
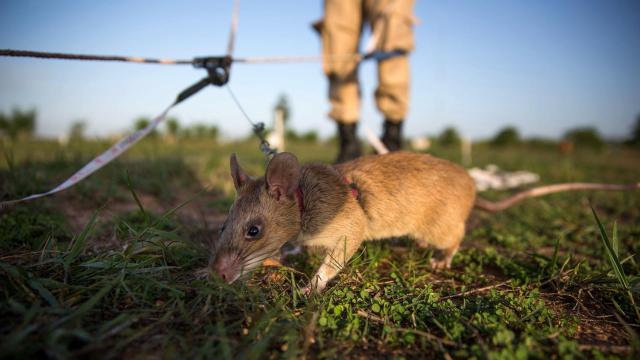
[(446, 244), (442, 259)]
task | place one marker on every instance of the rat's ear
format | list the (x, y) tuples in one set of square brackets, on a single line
[(239, 176), (283, 175)]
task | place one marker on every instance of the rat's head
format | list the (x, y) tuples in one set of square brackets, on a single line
[(262, 218)]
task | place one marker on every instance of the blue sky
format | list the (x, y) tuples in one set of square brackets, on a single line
[(543, 66)]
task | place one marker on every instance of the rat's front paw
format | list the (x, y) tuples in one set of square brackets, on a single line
[(313, 289), (307, 290)]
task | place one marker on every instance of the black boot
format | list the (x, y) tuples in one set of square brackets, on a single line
[(392, 137), (349, 144)]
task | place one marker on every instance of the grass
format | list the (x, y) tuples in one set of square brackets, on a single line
[(113, 267)]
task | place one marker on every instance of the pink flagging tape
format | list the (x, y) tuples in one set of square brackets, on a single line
[(100, 161)]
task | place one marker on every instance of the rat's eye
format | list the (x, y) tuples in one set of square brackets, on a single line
[(253, 229), (253, 232)]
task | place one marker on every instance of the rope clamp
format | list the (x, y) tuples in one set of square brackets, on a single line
[(218, 67)]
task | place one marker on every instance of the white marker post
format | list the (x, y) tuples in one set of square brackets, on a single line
[(465, 146), (276, 137)]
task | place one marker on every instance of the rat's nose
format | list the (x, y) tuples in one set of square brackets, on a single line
[(227, 275), (223, 266)]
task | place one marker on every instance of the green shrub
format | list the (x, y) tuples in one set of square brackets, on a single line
[(585, 137), (20, 124), (506, 137), (449, 137), (635, 134)]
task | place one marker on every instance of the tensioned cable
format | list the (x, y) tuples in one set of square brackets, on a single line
[(378, 55), (66, 56), (370, 53)]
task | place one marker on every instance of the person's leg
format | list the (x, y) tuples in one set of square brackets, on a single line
[(392, 21), (392, 98), (340, 31)]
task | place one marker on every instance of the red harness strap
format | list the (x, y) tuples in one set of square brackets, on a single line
[(352, 187)]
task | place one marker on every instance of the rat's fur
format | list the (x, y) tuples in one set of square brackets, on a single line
[(398, 194)]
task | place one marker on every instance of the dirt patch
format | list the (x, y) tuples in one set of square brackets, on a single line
[(596, 328)]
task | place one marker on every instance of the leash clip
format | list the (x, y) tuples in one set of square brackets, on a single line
[(218, 67), (267, 150)]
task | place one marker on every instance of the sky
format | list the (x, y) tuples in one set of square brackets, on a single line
[(543, 66)]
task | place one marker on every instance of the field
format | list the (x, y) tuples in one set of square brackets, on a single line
[(116, 267)]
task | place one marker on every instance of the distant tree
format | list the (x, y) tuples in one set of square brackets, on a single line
[(506, 137), (449, 137), (283, 105), (291, 134), (635, 134), (310, 136), (25, 122), (77, 130), (4, 125), (141, 123), (20, 124), (213, 132), (585, 137), (173, 127), (185, 132), (201, 130)]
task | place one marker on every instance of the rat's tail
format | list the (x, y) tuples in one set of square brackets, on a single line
[(503, 204)]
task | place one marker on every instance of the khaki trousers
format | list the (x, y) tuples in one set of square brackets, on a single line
[(341, 29)]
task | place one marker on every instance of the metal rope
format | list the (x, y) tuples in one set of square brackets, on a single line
[(377, 55), (56, 55)]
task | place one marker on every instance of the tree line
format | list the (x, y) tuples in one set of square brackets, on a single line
[(583, 137), (173, 130), (18, 124), (21, 124)]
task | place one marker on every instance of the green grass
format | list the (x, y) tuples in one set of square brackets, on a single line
[(114, 267)]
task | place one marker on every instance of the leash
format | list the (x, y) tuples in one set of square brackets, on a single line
[(216, 77), (98, 162), (257, 128), (218, 71)]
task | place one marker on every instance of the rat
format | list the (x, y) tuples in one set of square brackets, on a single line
[(338, 207)]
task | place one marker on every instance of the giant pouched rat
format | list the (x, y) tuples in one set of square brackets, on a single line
[(338, 207)]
